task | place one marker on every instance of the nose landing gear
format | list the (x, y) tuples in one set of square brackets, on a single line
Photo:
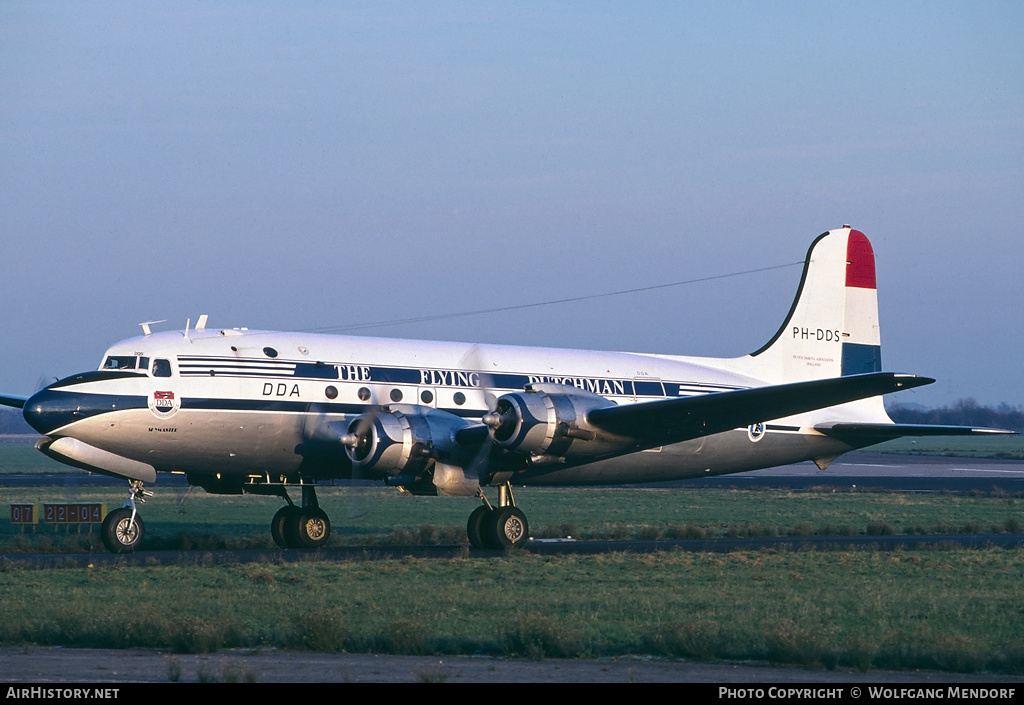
[(122, 530)]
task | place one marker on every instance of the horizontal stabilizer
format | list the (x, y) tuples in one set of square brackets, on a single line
[(677, 420), (899, 430), (13, 400)]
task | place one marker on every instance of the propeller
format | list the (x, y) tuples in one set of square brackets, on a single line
[(358, 436), (479, 466), (502, 421), (359, 433)]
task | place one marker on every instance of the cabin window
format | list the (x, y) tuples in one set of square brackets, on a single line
[(270, 352), (396, 395), (161, 368), (120, 362)]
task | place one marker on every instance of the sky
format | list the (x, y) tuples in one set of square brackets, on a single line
[(303, 165)]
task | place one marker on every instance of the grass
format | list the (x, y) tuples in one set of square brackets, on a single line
[(956, 611), (948, 610)]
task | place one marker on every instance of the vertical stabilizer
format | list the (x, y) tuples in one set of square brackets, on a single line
[(832, 327)]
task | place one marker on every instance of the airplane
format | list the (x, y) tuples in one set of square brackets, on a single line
[(249, 411)]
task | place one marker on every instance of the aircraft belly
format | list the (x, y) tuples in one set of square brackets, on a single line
[(200, 441), (720, 454)]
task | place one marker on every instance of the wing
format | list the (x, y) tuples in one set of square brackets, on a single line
[(552, 424), (677, 420), (13, 400)]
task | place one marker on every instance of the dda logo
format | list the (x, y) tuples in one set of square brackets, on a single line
[(164, 405)]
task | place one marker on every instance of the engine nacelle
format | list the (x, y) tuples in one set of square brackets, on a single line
[(402, 440), (549, 422)]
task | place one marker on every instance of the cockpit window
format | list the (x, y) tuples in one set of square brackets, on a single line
[(161, 368), (120, 362)]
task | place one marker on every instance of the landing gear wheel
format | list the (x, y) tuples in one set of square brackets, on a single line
[(280, 521), (508, 527), (308, 528), (120, 533), (476, 527)]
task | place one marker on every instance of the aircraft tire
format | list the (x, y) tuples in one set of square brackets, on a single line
[(279, 523), (509, 527), (115, 532), (476, 527), (310, 527)]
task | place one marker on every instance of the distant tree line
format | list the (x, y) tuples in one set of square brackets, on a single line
[(963, 412)]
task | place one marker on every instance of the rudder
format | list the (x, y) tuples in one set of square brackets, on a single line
[(832, 326)]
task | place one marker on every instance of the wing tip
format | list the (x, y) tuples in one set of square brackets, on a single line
[(903, 380), (897, 430)]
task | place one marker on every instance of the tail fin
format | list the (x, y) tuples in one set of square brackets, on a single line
[(832, 331), (832, 327)]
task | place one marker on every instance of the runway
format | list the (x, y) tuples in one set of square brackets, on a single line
[(884, 471), (129, 667)]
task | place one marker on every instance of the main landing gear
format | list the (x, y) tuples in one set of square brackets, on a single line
[(307, 526), (122, 530), (498, 527)]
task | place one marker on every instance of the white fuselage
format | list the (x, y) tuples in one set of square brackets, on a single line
[(256, 403)]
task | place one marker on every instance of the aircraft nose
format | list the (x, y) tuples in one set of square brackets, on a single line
[(47, 410)]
